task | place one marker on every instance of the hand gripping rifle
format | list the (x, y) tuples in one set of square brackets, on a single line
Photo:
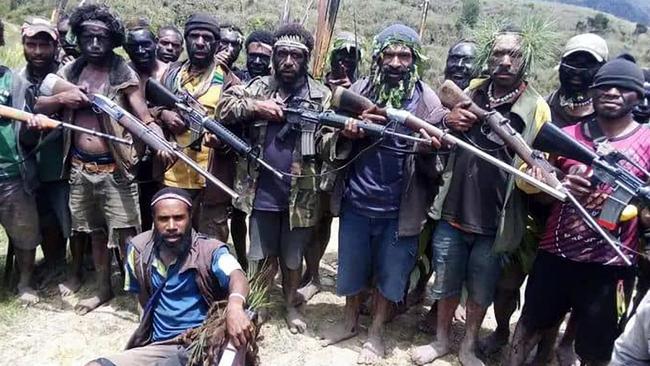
[(197, 121), (149, 137), (18, 115), (346, 100), (451, 95)]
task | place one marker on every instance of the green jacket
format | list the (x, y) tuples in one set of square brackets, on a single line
[(236, 106), (534, 112)]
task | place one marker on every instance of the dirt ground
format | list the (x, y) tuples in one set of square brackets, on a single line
[(50, 333)]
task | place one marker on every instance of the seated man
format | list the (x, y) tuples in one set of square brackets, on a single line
[(177, 275)]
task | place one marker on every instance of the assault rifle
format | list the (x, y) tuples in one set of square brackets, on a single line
[(300, 111), (606, 168), (198, 122)]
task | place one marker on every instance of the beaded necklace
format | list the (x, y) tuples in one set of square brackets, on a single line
[(506, 98)]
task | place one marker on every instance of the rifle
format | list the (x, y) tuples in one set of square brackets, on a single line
[(355, 103), (301, 110), (450, 95), (198, 122), (19, 115), (149, 137)]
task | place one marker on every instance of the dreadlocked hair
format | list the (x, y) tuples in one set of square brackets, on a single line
[(295, 29), (2, 34), (259, 36), (539, 41), (101, 13)]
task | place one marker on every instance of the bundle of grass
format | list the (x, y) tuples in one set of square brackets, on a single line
[(207, 343)]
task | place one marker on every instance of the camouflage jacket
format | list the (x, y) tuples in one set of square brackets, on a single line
[(236, 106)]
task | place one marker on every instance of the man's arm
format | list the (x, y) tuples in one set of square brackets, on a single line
[(631, 348)]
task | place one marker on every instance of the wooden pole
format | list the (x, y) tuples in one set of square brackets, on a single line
[(327, 13), (423, 20), (58, 10)]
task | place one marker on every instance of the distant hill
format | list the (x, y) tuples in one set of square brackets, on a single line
[(637, 11)]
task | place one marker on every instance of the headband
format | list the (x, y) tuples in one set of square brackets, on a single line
[(293, 41), (171, 195), (95, 23)]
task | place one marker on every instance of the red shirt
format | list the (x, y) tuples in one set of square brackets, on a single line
[(566, 234)]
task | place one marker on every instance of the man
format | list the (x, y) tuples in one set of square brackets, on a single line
[(344, 59), (103, 197), (170, 44), (481, 213), (259, 46), (177, 275), (40, 50), (18, 180), (460, 69), (204, 79), (140, 45), (283, 211), (231, 39), (632, 348), (381, 215), (583, 55), (574, 268), (68, 49), (459, 66)]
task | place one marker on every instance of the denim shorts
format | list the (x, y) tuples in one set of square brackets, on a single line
[(461, 258), (372, 254)]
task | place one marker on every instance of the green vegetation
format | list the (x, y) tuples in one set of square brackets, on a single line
[(371, 16)]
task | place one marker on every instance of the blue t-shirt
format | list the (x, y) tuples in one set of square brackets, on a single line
[(375, 179), (272, 192), (180, 305)]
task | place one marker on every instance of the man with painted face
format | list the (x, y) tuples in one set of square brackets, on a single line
[(283, 211), (204, 79), (103, 198), (68, 48), (170, 44), (583, 55), (459, 66), (229, 46), (472, 231), (40, 49), (177, 275), (259, 47), (140, 45), (344, 60), (382, 197), (575, 269)]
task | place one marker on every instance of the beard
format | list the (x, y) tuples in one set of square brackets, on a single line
[(179, 247), (289, 81)]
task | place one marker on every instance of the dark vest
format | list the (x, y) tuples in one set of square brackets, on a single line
[(198, 258)]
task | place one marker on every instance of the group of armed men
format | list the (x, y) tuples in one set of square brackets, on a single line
[(399, 203)]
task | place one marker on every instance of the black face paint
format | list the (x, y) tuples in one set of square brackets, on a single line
[(201, 47), (460, 64), (344, 63), (95, 44), (577, 73), (141, 47), (290, 65), (230, 42)]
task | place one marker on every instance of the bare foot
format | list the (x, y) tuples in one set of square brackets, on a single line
[(372, 351), (339, 333), (494, 342), (467, 356), (85, 306), (460, 314), (27, 295), (429, 322), (70, 286), (295, 321), (566, 356), (309, 290), (425, 354)]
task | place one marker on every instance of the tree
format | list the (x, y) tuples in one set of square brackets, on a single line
[(599, 23), (640, 29), (469, 13)]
